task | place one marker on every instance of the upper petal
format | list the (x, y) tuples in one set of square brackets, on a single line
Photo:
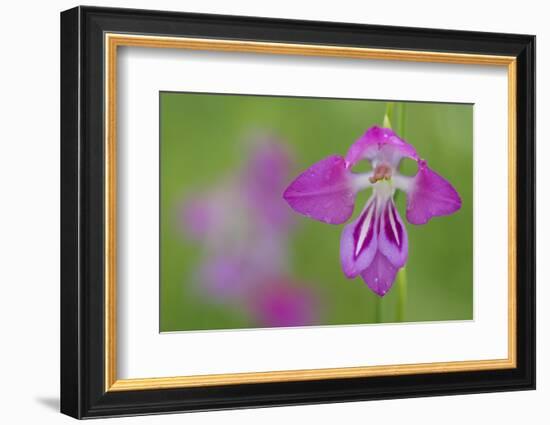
[(380, 274), (430, 195), (324, 191), (380, 145), (393, 240), (358, 242)]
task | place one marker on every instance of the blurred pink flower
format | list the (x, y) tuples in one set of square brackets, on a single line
[(281, 302), (242, 226)]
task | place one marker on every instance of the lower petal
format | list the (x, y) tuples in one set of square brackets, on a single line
[(430, 195), (380, 275), (358, 242), (324, 191), (393, 241)]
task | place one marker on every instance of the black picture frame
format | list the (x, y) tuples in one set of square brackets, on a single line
[(83, 392)]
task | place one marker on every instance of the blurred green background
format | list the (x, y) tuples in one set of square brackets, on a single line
[(202, 139)]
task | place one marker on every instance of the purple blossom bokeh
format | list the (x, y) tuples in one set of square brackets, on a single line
[(242, 227)]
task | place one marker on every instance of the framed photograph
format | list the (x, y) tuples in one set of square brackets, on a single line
[(261, 212)]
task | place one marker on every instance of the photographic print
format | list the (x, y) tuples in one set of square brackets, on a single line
[(357, 184), (293, 211)]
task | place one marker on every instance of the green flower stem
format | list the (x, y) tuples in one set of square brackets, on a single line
[(387, 123), (378, 309), (388, 116), (402, 274), (402, 294), (401, 278)]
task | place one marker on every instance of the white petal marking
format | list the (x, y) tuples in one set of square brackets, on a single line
[(392, 222), (364, 229)]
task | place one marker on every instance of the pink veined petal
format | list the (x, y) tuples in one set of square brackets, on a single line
[(381, 145), (323, 192), (430, 195), (380, 275), (393, 241), (358, 243)]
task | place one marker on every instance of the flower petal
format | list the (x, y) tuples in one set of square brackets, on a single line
[(430, 195), (380, 275), (324, 191), (393, 241), (358, 243), (380, 145)]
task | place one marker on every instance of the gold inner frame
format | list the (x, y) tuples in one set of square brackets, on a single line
[(113, 41)]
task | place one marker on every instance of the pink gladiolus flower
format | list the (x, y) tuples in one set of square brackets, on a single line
[(375, 245)]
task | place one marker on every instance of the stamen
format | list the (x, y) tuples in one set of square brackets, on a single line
[(381, 172)]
